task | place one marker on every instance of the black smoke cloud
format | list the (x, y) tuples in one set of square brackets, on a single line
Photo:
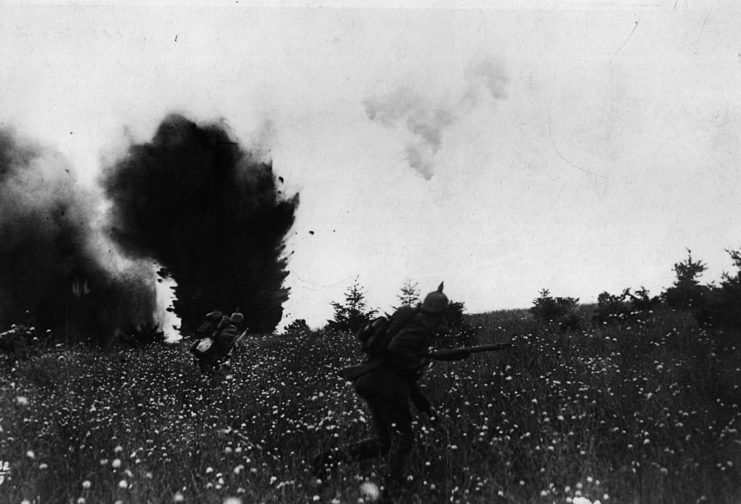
[(53, 272), (211, 214)]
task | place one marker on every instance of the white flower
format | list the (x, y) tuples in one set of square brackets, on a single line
[(116, 463), (86, 484), (21, 400), (232, 500), (178, 497), (370, 491), (123, 484)]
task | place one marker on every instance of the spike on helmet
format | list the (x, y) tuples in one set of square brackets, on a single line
[(435, 302)]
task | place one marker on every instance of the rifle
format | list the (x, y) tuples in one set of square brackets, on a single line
[(455, 354), (352, 373)]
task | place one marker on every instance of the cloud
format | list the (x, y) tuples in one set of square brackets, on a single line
[(425, 120)]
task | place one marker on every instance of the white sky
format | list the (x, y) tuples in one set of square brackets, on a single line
[(608, 142)]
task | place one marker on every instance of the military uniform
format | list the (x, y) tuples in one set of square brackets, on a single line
[(388, 389), (214, 349)]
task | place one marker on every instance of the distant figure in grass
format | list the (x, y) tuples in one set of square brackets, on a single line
[(388, 384), (215, 340), (18, 343)]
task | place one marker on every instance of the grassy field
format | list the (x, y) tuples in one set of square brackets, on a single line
[(646, 411)]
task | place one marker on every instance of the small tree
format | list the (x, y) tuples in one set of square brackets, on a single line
[(298, 326), (723, 303), (558, 310), (686, 293), (409, 295), (454, 330), (611, 308), (354, 313)]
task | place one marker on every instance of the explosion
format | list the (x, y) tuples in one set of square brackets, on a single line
[(190, 212), (210, 214)]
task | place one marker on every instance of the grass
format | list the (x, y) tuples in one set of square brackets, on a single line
[(644, 411)]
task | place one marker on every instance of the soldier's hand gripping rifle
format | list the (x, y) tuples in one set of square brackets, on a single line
[(352, 373)]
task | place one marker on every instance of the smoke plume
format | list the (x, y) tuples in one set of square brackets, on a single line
[(53, 272), (425, 121), (210, 214)]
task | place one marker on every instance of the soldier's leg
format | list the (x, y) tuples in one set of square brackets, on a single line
[(397, 416), (372, 447)]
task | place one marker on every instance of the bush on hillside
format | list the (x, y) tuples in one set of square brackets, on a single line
[(560, 311), (615, 308), (722, 304), (141, 335), (454, 331)]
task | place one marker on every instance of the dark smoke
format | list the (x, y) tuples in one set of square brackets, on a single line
[(51, 269), (210, 213)]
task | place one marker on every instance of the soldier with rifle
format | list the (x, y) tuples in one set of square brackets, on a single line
[(388, 382)]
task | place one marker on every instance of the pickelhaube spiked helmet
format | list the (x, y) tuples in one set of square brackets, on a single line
[(435, 302)]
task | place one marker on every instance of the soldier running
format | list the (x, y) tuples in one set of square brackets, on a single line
[(218, 336), (388, 389)]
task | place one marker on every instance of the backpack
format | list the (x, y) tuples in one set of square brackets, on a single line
[(209, 326), (375, 337)]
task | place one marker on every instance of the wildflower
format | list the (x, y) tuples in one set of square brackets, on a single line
[(86, 484), (21, 400), (370, 490), (30, 454), (123, 484), (178, 497), (43, 466), (116, 463), (232, 500)]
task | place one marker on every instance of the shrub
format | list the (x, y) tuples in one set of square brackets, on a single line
[(722, 306), (298, 326), (612, 308), (454, 331), (558, 310), (142, 335)]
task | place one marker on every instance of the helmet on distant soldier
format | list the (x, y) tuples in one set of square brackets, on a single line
[(435, 302), (237, 319)]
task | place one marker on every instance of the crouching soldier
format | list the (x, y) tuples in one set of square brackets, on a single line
[(215, 348), (388, 387)]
